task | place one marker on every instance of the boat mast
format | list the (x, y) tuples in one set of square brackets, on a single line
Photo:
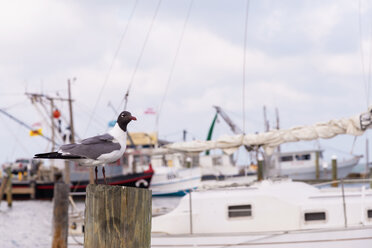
[(70, 110)]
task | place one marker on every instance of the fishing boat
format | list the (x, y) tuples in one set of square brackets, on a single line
[(302, 165), (268, 214), (169, 181), (174, 173), (41, 184)]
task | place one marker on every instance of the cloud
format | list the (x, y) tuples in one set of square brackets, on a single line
[(302, 57)]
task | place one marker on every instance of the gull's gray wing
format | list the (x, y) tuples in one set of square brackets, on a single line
[(92, 147)]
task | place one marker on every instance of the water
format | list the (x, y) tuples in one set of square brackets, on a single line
[(26, 224), (29, 223)]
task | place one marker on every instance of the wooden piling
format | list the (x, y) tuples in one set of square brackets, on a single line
[(60, 215), (334, 171), (259, 169), (317, 169), (2, 187), (9, 196), (117, 216)]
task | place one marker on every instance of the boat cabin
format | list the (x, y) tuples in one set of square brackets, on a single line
[(299, 158)]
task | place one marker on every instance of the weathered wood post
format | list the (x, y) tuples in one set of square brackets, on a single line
[(2, 188), (334, 170), (259, 169), (317, 169), (117, 216), (60, 215), (9, 196)]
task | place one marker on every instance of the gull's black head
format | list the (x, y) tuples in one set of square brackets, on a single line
[(124, 118)]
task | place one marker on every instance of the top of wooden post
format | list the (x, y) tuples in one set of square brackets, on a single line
[(117, 216)]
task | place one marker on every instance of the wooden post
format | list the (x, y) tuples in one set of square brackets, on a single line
[(60, 215), (91, 175), (317, 169), (33, 189), (9, 197), (259, 169), (67, 173), (2, 187), (334, 170), (117, 216)]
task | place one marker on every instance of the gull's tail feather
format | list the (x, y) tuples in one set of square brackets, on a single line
[(56, 155)]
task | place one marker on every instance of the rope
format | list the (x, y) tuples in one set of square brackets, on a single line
[(139, 58), (16, 138), (173, 64), (123, 35), (244, 61), (14, 105)]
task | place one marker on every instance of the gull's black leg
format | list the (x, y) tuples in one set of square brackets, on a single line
[(104, 175), (96, 174)]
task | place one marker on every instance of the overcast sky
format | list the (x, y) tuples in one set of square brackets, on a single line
[(309, 59)]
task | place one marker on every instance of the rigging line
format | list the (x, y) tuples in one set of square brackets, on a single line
[(123, 35), (244, 61), (361, 49), (173, 64), (15, 146), (339, 150), (140, 57), (15, 105), (15, 135)]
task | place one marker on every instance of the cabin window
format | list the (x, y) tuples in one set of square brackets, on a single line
[(240, 211), (286, 158), (315, 216), (303, 157), (141, 159), (369, 213)]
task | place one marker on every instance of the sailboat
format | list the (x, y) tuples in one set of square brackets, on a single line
[(278, 214)]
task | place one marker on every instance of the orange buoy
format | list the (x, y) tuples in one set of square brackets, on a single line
[(56, 114)]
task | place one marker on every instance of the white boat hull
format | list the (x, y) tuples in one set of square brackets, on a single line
[(173, 182), (328, 238), (308, 172)]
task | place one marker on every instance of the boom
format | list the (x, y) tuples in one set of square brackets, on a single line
[(234, 128)]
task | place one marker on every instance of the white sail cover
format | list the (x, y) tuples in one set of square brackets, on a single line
[(270, 140)]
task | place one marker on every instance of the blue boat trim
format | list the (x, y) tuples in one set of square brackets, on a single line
[(176, 193)]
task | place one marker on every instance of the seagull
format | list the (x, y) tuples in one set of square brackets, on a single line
[(97, 150)]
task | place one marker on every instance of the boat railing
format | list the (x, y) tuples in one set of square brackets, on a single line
[(344, 181)]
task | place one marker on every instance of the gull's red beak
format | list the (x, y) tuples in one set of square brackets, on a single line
[(133, 118)]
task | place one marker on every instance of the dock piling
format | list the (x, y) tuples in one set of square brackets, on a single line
[(60, 215), (259, 169), (2, 187), (317, 169), (9, 196), (117, 216), (334, 171)]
